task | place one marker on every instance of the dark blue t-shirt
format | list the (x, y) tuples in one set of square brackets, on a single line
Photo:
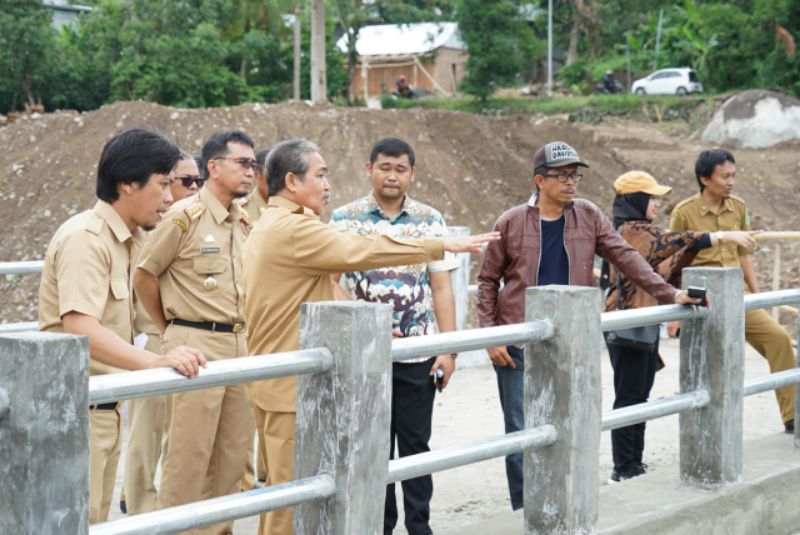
[(554, 264)]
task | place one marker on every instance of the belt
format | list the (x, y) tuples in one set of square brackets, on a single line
[(212, 326), (105, 406)]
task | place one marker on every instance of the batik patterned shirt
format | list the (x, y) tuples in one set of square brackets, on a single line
[(406, 288)]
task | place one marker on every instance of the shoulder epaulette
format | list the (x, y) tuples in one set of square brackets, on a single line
[(244, 216), (195, 210), (738, 199), (683, 202), (95, 225)]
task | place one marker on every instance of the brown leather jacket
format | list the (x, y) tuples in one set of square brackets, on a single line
[(514, 259)]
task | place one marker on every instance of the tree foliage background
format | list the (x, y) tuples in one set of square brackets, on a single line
[(225, 52)]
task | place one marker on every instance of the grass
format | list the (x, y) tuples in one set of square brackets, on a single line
[(595, 104)]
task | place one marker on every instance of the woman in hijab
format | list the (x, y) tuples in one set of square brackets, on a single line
[(636, 204)]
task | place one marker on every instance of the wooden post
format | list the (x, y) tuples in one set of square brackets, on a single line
[(776, 275)]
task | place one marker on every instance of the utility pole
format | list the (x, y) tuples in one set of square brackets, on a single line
[(658, 37), (319, 85), (297, 51), (549, 48)]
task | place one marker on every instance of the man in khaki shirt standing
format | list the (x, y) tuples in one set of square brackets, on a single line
[(714, 209), (288, 259), (146, 416), (85, 290), (255, 204), (189, 280)]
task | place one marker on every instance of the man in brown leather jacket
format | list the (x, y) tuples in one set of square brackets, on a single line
[(550, 240)]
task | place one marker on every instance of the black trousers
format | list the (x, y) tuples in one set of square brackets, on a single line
[(634, 372), (412, 408)]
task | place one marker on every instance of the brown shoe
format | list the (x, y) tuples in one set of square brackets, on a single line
[(789, 426)]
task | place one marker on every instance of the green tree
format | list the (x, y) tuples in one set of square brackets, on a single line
[(27, 40), (499, 43)]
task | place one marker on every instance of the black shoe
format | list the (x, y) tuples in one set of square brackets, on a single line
[(123, 507), (618, 477), (789, 426)]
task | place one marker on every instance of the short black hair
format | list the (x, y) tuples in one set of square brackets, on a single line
[(133, 155), (261, 158), (708, 161), (290, 156), (199, 161), (394, 147), (217, 146)]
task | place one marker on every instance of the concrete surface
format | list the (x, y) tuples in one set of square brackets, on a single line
[(765, 502)]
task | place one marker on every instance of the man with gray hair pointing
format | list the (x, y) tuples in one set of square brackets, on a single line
[(288, 260)]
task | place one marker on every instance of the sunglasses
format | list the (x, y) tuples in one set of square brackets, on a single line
[(246, 163), (187, 181)]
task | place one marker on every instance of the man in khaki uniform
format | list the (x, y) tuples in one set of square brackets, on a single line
[(146, 416), (85, 290), (256, 202), (715, 210), (288, 260), (189, 281)]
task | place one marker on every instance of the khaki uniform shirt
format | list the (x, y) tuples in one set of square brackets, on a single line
[(196, 253), (254, 205), (141, 319), (288, 260), (692, 214), (87, 270)]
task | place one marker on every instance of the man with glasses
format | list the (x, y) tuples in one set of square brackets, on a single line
[(550, 240), (189, 279), (146, 416)]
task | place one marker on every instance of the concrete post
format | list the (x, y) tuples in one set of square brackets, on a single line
[(459, 278), (343, 416), (44, 437), (563, 388), (712, 357)]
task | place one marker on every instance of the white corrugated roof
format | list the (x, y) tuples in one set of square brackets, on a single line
[(400, 39)]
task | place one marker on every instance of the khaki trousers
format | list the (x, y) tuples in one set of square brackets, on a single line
[(147, 442), (278, 433), (774, 344), (105, 444), (209, 430)]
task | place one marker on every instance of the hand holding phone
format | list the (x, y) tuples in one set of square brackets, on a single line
[(697, 293), (438, 379)]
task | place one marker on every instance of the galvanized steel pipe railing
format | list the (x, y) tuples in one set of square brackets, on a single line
[(772, 381), (636, 414), (771, 299), (471, 339), (637, 317), (21, 327), (144, 383), (21, 268), (213, 511), (481, 450)]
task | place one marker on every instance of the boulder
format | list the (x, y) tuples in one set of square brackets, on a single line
[(754, 119)]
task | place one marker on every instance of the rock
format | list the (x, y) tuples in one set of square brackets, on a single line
[(755, 119)]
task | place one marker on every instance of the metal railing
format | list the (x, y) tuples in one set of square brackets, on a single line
[(561, 337)]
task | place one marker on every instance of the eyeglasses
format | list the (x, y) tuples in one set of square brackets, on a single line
[(563, 177), (246, 163), (189, 179)]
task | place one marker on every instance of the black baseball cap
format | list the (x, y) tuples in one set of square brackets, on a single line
[(556, 154)]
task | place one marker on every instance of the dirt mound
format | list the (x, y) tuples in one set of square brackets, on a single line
[(469, 166)]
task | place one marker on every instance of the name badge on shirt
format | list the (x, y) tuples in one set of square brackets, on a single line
[(209, 250)]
